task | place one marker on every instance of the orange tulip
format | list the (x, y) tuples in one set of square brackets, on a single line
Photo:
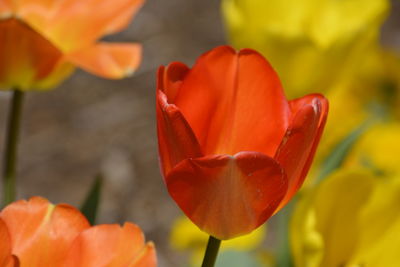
[(42, 41), (233, 150), (36, 233)]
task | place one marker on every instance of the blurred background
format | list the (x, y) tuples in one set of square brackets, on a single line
[(90, 125)]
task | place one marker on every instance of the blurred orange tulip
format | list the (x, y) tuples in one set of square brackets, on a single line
[(233, 150), (36, 233), (42, 41)]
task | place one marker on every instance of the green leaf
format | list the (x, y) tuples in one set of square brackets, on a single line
[(233, 258), (339, 153), (91, 203)]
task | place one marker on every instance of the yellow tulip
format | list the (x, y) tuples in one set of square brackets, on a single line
[(372, 94), (329, 46), (348, 220), (323, 46), (311, 43), (380, 81), (378, 149)]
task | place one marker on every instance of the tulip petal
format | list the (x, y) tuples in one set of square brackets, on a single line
[(40, 232), (170, 79), (228, 196), (109, 60), (110, 245), (6, 259), (5, 9), (5, 243), (295, 105), (297, 149), (13, 262), (26, 57), (234, 102), (147, 257), (176, 140), (74, 24)]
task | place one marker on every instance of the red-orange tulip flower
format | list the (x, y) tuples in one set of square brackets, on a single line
[(233, 150), (41, 41), (36, 233)]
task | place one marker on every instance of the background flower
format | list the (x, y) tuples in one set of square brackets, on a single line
[(41, 234), (377, 149), (324, 46), (312, 45), (41, 42), (348, 220)]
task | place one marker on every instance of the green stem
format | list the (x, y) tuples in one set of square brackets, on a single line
[(10, 154), (284, 255), (211, 252)]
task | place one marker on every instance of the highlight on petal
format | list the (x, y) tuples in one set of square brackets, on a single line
[(176, 140), (108, 60), (321, 126), (228, 196), (112, 246), (147, 257), (35, 224), (27, 57), (75, 24), (297, 149), (240, 104)]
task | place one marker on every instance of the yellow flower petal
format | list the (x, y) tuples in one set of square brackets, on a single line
[(312, 44), (326, 220), (342, 102), (379, 226), (187, 236), (378, 148)]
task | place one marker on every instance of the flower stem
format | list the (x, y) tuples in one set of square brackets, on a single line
[(10, 154), (211, 252)]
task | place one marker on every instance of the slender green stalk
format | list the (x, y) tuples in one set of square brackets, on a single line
[(211, 252), (284, 256), (11, 143)]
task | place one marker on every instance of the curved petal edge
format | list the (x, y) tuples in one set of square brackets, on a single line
[(228, 196)]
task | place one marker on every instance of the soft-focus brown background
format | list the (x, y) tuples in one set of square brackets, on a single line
[(90, 125)]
